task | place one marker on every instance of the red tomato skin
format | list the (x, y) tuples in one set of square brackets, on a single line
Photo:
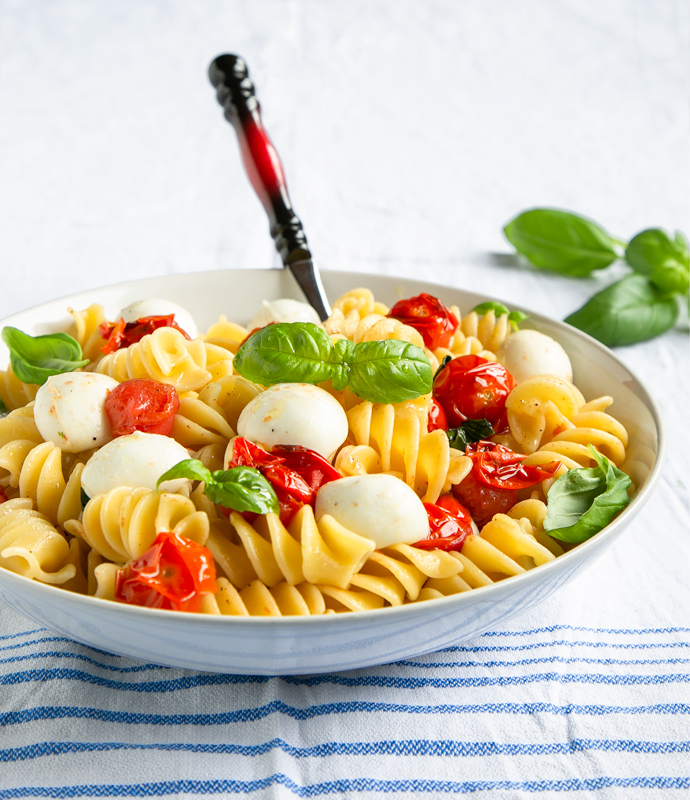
[(173, 574), (437, 417), (122, 334), (498, 466), (472, 387), (450, 524), (3, 496), (426, 314), (484, 501), (295, 473), (141, 405)]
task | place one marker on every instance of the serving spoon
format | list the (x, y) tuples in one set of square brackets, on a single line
[(236, 94)]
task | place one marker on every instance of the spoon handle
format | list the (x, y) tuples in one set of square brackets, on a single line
[(235, 91)]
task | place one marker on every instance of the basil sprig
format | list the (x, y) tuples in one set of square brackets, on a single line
[(471, 430), (514, 317), (35, 358), (583, 501), (239, 488), (387, 371), (640, 306)]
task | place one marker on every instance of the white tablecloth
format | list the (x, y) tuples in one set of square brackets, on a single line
[(410, 133)]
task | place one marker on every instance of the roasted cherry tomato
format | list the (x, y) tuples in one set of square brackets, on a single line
[(295, 473), (450, 524), (499, 466), (437, 418), (3, 496), (121, 334), (141, 405), (484, 501), (472, 387), (173, 573), (427, 314)]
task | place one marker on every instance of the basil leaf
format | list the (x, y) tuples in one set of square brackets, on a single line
[(562, 242), (653, 247), (239, 488), (34, 359), (190, 468), (471, 430), (629, 311), (288, 352), (3, 409), (84, 499), (514, 317), (343, 354), (583, 501), (389, 371), (242, 489)]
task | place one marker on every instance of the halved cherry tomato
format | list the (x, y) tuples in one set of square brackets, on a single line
[(173, 573), (427, 314), (437, 417), (472, 387), (121, 334), (3, 496), (141, 405), (450, 524), (498, 466), (295, 473)]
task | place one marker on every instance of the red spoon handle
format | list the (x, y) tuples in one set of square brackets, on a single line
[(235, 92)]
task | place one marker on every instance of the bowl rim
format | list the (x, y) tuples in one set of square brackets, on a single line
[(577, 553)]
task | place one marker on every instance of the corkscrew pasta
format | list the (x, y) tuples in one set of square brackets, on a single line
[(311, 564)]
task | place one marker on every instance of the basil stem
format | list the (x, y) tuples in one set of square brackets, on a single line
[(239, 488), (561, 241), (387, 371), (583, 501), (34, 359)]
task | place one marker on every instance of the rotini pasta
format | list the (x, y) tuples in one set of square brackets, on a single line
[(300, 561)]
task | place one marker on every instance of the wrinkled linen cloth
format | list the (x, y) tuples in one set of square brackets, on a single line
[(410, 132)]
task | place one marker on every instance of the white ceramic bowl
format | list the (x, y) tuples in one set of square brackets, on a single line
[(304, 645)]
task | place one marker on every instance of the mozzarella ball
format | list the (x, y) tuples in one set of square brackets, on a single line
[(295, 413), (70, 410), (138, 459), (157, 307), (528, 353), (380, 507), (283, 310)]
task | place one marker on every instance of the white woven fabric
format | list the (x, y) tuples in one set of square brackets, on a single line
[(410, 131)]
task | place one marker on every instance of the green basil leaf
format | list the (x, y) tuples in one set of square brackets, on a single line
[(671, 277), (190, 468), (84, 499), (514, 317), (561, 241), (4, 411), (242, 489), (389, 371), (35, 358), (471, 430), (629, 311), (288, 352), (653, 248), (583, 501)]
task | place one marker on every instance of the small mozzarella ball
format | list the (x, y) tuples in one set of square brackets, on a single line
[(528, 353), (380, 507), (295, 413), (283, 310), (70, 410), (138, 459), (157, 307)]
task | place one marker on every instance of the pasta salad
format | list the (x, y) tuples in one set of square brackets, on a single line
[(292, 467)]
